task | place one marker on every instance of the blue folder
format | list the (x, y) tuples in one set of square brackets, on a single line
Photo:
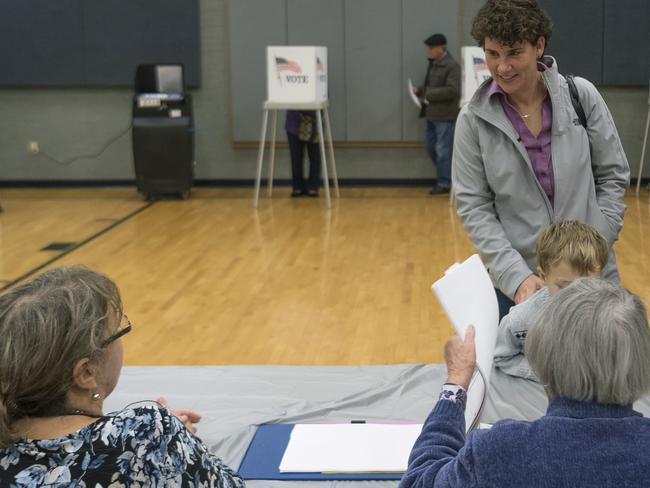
[(262, 459)]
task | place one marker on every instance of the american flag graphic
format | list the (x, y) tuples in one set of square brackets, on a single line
[(479, 64), (283, 64), (319, 64), (481, 72)]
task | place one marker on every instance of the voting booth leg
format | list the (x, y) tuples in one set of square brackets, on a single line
[(645, 143), (260, 159), (272, 161), (335, 177), (326, 179)]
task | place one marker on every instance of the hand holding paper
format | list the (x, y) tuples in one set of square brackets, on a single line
[(467, 296), (460, 356), (412, 92)]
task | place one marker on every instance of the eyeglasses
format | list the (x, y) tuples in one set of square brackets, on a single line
[(122, 331)]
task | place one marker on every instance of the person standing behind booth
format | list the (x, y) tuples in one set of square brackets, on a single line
[(523, 159), (441, 95), (302, 132)]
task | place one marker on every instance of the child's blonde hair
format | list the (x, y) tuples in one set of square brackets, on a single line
[(580, 245)]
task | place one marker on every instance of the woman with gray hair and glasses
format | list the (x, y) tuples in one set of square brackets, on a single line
[(60, 357), (590, 347)]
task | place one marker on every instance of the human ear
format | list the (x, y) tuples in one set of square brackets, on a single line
[(541, 274), (540, 45), (83, 375)]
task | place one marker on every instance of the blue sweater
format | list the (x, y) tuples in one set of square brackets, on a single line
[(576, 444)]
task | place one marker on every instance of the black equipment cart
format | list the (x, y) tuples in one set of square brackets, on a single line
[(163, 132)]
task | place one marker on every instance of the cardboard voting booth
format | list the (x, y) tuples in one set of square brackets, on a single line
[(296, 74), (296, 79), (645, 143), (474, 71)]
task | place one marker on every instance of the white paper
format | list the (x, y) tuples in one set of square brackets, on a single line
[(409, 87), (349, 448), (467, 295)]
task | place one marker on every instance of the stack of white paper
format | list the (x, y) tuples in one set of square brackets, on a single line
[(349, 448), (468, 297)]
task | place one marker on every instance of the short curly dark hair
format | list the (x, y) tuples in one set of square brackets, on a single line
[(511, 21)]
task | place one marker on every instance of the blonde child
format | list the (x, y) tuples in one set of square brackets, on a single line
[(566, 251)]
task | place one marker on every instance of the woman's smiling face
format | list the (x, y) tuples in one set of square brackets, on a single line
[(514, 68)]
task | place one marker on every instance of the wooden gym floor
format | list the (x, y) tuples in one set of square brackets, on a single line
[(210, 280)]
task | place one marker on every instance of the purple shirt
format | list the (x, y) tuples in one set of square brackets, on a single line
[(538, 148), (292, 124)]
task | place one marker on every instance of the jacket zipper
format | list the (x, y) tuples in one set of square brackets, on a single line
[(529, 165)]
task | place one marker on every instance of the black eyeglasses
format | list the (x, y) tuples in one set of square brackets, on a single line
[(122, 331)]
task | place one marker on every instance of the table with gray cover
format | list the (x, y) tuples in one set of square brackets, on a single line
[(235, 399)]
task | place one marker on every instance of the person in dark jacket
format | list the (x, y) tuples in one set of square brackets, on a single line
[(441, 95), (590, 348)]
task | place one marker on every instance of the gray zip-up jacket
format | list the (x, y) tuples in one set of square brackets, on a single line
[(509, 354), (500, 201)]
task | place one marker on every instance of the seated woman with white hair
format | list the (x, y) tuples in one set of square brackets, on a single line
[(590, 348), (60, 357)]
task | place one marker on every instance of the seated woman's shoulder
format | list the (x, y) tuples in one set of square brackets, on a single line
[(144, 421), (142, 410), (504, 436)]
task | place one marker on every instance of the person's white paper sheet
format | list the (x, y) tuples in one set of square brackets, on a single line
[(349, 448), (467, 296), (410, 86)]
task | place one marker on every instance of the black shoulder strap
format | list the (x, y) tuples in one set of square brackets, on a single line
[(575, 101)]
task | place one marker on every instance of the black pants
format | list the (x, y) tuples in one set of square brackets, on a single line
[(297, 150)]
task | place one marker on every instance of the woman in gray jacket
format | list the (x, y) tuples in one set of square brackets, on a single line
[(523, 160)]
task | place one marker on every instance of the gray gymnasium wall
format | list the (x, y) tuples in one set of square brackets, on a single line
[(368, 61), (71, 122), (604, 45)]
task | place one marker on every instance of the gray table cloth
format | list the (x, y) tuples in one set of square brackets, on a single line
[(235, 399)]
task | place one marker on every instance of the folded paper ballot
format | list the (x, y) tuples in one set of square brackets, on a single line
[(349, 448), (410, 87), (467, 295)]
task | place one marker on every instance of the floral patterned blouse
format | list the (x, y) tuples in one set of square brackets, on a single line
[(145, 447)]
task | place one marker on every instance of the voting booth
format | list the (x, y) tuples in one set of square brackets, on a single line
[(296, 74), (645, 142), (474, 71), (296, 79)]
